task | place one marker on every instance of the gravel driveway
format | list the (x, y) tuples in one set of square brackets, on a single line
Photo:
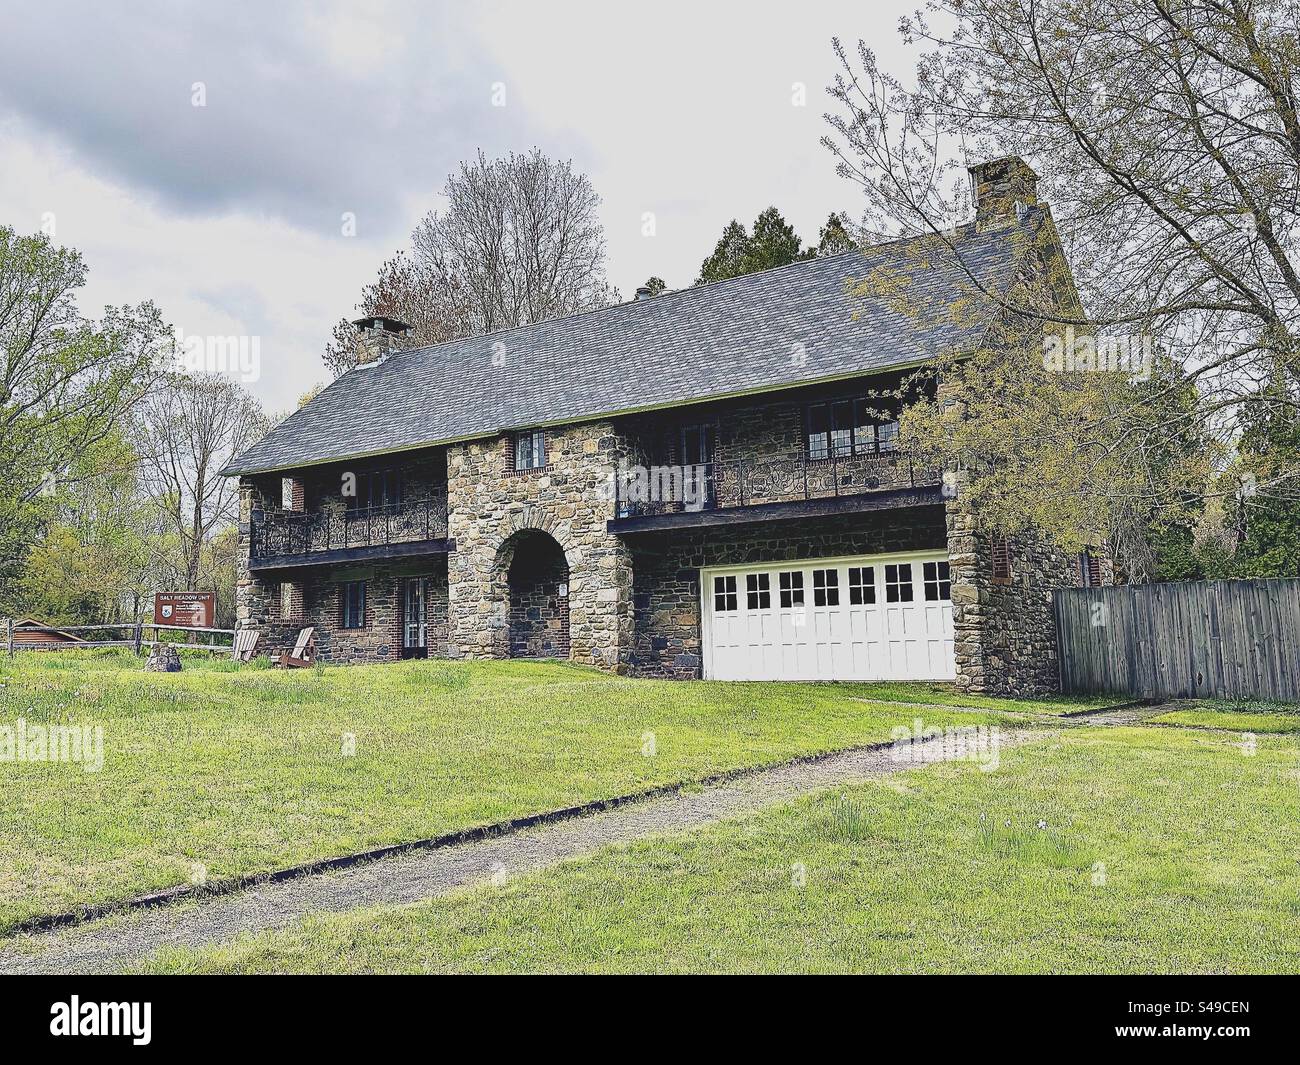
[(115, 943)]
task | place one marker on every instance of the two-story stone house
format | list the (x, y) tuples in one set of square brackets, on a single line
[(704, 483)]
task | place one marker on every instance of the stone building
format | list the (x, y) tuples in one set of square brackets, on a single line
[(704, 483)]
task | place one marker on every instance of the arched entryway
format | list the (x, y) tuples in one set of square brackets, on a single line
[(538, 578)]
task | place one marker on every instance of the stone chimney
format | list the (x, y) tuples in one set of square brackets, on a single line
[(643, 292), (1003, 189), (378, 337)]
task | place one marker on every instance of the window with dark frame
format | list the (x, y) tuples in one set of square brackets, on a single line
[(791, 589), (826, 587), (530, 450), (937, 584), (898, 582), (724, 594), (1000, 552), (1089, 569), (758, 591), (862, 585), (375, 489), (352, 604), (847, 427)]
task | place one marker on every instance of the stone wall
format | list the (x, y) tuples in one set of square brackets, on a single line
[(667, 568), (489, 504), (1005, 629)]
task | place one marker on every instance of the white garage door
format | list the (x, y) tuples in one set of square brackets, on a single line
[(878, 617)]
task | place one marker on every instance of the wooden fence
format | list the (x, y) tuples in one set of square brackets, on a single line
[(1219, 639), (129, 634)]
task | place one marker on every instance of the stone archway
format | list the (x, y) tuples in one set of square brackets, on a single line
[(535, 574)]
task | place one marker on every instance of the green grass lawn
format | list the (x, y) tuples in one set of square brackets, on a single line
[(1163, 851), (1251, 716), (242, 770), (894, 691)]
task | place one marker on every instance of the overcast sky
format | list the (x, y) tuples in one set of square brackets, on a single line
[(230, 215)]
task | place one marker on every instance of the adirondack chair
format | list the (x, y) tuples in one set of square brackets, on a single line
[(304, 651), (245, 644)]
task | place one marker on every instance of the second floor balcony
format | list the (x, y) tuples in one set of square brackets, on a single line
[(790, 485), (281, 539)]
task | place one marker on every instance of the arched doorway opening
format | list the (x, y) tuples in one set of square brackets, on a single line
[(538, 578)]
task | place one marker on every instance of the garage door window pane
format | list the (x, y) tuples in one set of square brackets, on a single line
[(898, 583), (862, 585), (758, 593), (826, 587), (937, 585), (724, 594), (791, 589)]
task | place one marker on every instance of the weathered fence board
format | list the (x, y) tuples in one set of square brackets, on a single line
[(1221, 639)]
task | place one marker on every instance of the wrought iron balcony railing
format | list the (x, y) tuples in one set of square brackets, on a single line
[(277, 533), (719, 485)]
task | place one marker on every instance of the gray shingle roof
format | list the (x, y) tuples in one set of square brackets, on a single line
[(708, 342)]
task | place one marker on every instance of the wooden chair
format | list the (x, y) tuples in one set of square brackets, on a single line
[(304, 651), (245, 644)]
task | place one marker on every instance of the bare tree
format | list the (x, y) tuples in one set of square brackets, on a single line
[(187, 432), (519, 242), (1166, 136)]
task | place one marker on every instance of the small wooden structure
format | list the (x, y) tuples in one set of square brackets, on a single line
[(32, 635)]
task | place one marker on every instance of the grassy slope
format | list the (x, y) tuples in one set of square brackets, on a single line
[(1251, 716), (1198, 842), (242, 770)]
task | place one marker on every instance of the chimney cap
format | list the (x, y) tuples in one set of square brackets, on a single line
[(643, 292), (383, 323)]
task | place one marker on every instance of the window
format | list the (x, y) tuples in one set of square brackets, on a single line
[(1000, 551), (724, 594), (937, 584), (352, 600), (530, 450), (849, 427), (758, 594), (862, 585), (898, 583), (791, 589), (376, 488), (697, 445), (1089, 569), (826, 587)]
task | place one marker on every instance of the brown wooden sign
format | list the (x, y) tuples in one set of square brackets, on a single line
[(192, 609)]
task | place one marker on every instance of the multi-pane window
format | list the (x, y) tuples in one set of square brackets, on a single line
[(791, 589), (352, 603), (862, 585), (724, 593), (826, 587), (848, 427), (758, 594), (530, 450), (937, 584), (376, 488), (898, 583)]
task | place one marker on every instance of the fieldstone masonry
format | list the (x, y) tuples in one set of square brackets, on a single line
[(490, 503)]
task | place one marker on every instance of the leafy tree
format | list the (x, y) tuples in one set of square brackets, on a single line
[(656, 285), (772, 243), (65, 384), (834, 237)]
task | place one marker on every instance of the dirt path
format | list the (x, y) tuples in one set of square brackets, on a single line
[(115, 943)]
